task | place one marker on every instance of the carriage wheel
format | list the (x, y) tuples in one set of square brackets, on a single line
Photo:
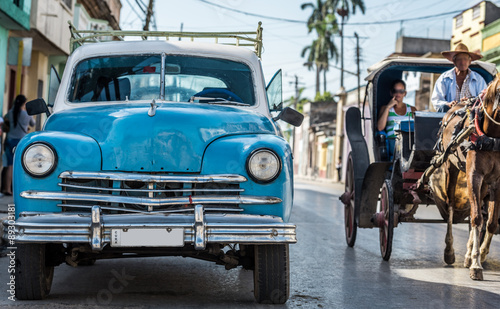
[(348, 199), (386, 224)]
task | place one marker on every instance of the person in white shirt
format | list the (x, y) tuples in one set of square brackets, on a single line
[(459, 83)]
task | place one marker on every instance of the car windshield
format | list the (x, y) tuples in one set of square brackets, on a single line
[(138, 78)]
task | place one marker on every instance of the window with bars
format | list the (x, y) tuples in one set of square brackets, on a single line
[(476, 12), (68, 3), (459, 21)]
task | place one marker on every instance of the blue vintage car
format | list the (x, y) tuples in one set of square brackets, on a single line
[(157, 148)]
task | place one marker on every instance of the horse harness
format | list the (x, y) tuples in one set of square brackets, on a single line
[(464, 138), (477, 140)]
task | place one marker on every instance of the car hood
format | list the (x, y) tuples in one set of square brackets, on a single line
[(173, 140)]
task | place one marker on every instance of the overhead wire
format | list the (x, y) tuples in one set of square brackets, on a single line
[(345, 24)]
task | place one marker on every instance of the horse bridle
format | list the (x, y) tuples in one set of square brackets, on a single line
[(495, 106)]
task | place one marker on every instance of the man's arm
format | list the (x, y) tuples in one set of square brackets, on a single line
[(480, 85), (438, 98)]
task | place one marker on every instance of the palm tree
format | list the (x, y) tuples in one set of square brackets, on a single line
[(324, 22), (343, 10), (344, 4), (312, 59)]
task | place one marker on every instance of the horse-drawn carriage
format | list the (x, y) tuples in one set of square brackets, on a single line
[(382, 192)]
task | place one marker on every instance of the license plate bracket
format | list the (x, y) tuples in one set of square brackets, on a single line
[(147, 237)]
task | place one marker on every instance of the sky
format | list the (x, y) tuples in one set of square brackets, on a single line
[(284, 40)]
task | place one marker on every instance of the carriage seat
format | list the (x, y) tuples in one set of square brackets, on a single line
[(386, 145), (405, 126)]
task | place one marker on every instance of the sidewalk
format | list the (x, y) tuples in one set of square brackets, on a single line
[(320, 182)]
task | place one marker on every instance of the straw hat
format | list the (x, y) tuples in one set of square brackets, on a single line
[(460, 49)]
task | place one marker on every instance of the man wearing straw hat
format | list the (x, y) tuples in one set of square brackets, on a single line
[(458, 83)]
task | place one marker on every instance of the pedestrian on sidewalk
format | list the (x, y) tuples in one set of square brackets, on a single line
[(18, 120), (338, 166)]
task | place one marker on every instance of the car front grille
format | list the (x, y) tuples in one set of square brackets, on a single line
[(149, 193)]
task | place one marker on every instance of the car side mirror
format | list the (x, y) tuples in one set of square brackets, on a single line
[(36, 107), (291, 116)]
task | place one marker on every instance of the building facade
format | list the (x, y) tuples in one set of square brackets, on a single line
[(14, 15), (468, 24), (491, 43), (314, 140), (48, 29)]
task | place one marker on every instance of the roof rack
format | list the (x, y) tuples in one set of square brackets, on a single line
[(79, 37)]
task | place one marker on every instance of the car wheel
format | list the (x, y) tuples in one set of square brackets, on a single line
[(272, 274), (33, 276)]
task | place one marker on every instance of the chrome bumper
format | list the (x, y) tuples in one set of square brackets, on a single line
[(199, 228)]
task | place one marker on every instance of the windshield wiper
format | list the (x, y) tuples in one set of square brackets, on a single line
[(219, 101)]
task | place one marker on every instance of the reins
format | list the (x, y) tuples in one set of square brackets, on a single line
[(489, 117)]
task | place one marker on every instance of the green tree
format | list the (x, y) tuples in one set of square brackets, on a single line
[(300, 100), (323, 20), (344, 4)]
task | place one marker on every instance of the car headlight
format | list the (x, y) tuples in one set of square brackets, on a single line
[(39, 160), (263, 165)]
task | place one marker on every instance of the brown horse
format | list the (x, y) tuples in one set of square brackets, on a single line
[(449, 187), (459, 194), (483, 184)]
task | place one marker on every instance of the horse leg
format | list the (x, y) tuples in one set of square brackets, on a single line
[(449, 252), (474, 183), (470, 242), (492, 223)]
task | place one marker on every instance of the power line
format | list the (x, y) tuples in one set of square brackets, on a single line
[(402, 20), (133, 9), (252, 14), (346, 24)]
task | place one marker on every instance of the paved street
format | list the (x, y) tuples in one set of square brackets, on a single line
[(325, 273)]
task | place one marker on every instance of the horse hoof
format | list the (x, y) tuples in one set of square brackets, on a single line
[(467, 262), (449, 258), (476, 274)]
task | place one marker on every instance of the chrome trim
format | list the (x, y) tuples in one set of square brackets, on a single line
[(96, 228), (178, 210), (146, 201), (223, 178), (33, 227), (199, 228), (151, 195), (147, 190), (162, 76), (152, 109)]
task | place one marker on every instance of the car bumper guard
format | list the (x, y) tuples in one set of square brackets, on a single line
[(198, 228)]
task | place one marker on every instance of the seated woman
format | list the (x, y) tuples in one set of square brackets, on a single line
[(394, 112)]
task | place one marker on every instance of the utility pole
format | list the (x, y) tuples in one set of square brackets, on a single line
[(148, 15), (343, 13), (295, 102), (182, 27), (358, 71)]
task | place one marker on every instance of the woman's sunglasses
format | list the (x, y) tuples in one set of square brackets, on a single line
[(401, 91)]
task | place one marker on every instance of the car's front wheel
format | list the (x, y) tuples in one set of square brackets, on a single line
[(33, 276), (272, 274)]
